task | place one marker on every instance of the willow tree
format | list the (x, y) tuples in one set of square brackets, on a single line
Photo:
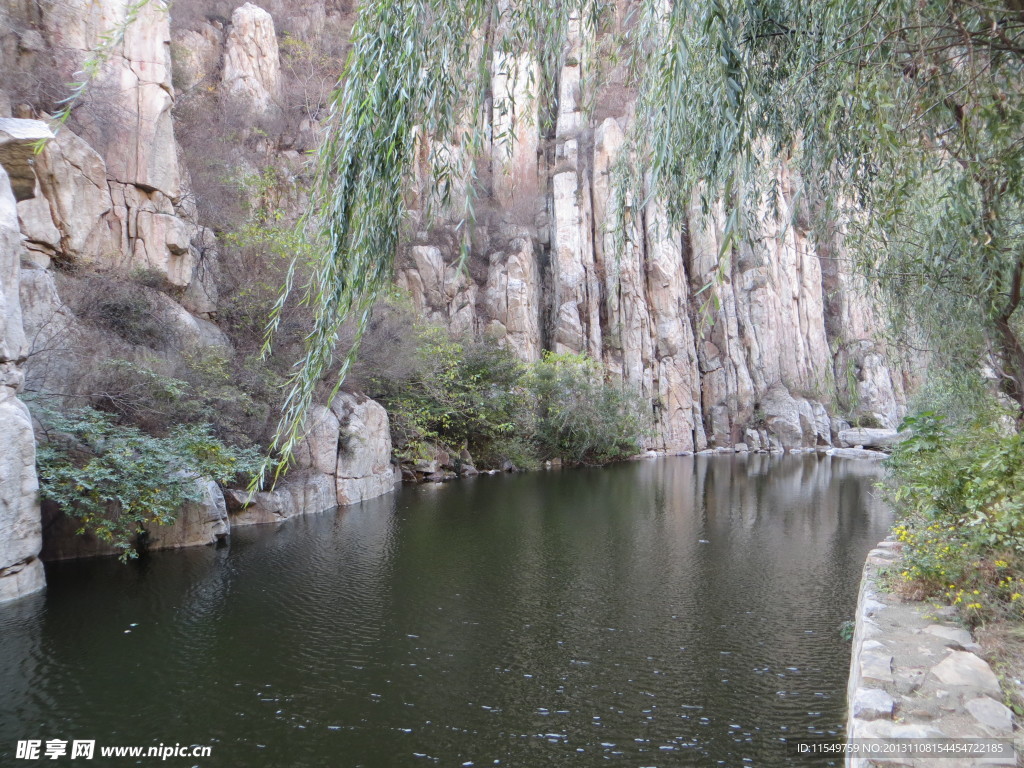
[(902, 119)]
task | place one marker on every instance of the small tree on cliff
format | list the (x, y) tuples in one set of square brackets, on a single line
[(901, 123)]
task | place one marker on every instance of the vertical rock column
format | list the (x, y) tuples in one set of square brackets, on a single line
[(21, 571)]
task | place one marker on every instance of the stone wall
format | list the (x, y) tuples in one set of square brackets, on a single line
[(916, 674)]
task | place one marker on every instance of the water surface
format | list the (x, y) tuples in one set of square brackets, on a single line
[(673, 612)]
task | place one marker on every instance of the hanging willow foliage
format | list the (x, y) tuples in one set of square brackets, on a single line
[(901, 121)]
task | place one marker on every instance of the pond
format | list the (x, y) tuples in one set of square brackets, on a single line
[(670, 612)]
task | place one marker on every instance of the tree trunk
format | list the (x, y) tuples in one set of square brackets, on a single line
[(1010, 347)]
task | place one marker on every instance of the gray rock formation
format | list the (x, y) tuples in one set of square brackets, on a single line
[(198, 523), (302, 492), (870, 438), (115, 192), (343, 458), (364, 449), (857, 453)]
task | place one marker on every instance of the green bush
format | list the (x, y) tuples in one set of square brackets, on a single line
[(961, 496), (581, 417), (114, 479), (460, 394), (457, 394)]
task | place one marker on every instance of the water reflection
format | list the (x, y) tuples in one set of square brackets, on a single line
[(665, 613)]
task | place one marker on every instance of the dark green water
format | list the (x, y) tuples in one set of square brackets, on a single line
[(676, 612)]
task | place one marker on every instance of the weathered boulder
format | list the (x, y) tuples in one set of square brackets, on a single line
[(61, 540), (856, 453), (364, 449), (73, 180), (302, 492), (187, 330), (789, 419), (318, 449)]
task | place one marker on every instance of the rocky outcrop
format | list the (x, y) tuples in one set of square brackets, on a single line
[(200, 522), (21, 572), (343, 458), (252, 67), (364, 469), (114, 193), (302, 492), (870, 438), (857, 453), (197, 523)]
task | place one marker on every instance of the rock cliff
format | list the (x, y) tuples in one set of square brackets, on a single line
[(107, 203), (776, 355)]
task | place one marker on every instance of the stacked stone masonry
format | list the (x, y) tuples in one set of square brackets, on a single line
[(916, 674)]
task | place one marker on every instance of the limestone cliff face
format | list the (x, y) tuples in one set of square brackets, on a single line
[(789, 347)]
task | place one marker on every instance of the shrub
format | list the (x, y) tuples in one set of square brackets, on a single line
[(258, 252), (236, 395), (120, 305), (961, 496), (453, 393), (456, 394), (866, 421), (581, 417), (114, 479)]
